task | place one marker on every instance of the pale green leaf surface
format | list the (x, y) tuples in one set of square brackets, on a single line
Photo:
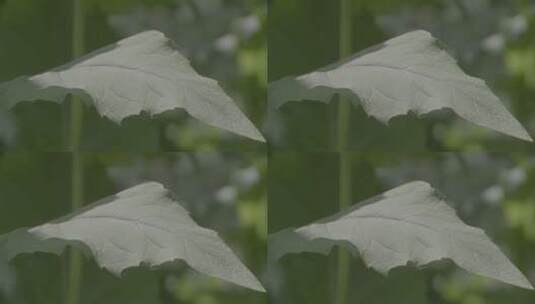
[(141, 73), (409, 73), (410, 224), (140, 226)]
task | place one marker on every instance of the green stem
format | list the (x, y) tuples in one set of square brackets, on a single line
[(343, 125), (74, 278)]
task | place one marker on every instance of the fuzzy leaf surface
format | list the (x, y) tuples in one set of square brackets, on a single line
[(410, 224), (141, 73), (408, 73), (140, 226)]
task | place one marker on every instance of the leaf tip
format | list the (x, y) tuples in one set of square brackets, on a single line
[(257, 286), (251, 132), (523, 282), (522, 134), (260, 138)]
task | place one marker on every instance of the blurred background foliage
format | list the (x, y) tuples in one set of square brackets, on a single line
[(489, 178), (493, 191), (224, 191), (219, 177), (224, 40), (492, 40)]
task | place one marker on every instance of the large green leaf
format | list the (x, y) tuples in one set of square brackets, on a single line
[(144, 72), (139, 226), (409, 73), (410, 224)]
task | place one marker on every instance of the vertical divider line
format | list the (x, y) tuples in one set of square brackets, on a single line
[(74, 277), (342, 137)]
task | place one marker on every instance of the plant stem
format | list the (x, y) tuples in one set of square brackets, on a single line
[(343, 124), (77, 183)]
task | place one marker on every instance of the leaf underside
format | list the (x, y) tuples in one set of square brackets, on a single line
[(141, 73), (139, 226), (410, 224), (409, 73)]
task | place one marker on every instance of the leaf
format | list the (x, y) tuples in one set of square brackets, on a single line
[(410, 224), (142, 225), (144, 72), (409, 73)]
